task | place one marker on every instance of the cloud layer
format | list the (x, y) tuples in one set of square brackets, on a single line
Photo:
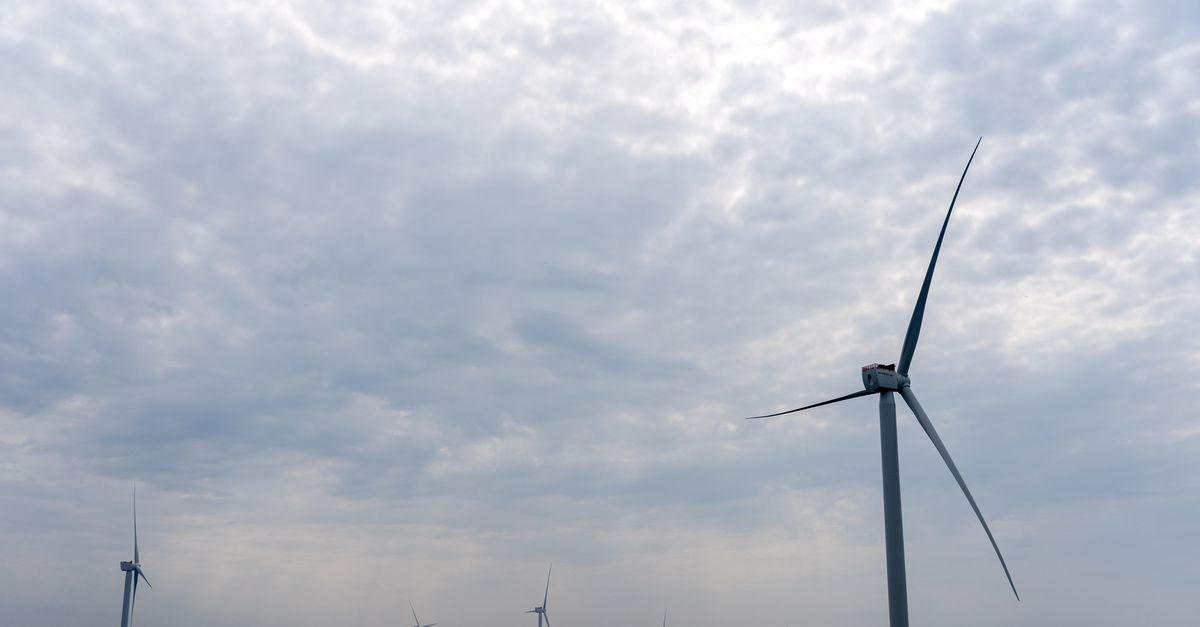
[(406, 301)]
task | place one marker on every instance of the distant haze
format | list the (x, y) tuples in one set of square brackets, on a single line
[(380, 302)]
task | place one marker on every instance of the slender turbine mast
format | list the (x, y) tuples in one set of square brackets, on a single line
[(417, 622), (887, 381), (133, 572), (541, 609)]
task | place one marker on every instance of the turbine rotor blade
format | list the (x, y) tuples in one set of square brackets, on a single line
[(546, 598), (133, 599), (547, 616), (138, 569), (923, 418), (914, 324), (136, 559), (836, 400), (414, 611)]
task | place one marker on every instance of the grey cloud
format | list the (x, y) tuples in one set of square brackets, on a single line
[(449, 292)]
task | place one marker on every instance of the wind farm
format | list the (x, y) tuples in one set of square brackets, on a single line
[(397, 303), (882, 380)]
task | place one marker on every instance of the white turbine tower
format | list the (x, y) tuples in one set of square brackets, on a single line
[(418, 621), (541, 609), (133, 573)]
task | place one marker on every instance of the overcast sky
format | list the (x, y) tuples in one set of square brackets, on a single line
[(386, 301)]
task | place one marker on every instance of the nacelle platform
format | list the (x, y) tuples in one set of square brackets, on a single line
[(882, 377)]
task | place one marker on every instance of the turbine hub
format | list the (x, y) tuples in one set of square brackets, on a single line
[(881, 377)]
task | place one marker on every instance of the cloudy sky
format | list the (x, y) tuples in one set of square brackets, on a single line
[(410, 299)]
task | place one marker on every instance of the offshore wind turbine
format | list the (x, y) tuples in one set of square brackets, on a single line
[(886, 381), (541, 609), (418, 621), (133, 572)]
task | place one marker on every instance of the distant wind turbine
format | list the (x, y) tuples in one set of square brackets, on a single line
[(541, 609), (133, 572), (418, 621), (886, 381)]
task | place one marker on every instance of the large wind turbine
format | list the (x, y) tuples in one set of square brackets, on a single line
[(541, 609), (886, 381), (133, 572), (418, 621)]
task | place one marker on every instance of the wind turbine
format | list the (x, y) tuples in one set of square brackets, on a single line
[(133, 572), (418, 621), (886, 381), (541, 609)]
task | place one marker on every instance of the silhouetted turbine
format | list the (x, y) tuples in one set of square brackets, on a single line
[(541, 609), (885, 380), (133, 573)]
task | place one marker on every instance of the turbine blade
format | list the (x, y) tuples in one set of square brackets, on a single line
[(133, 599), (531, 612), (923, 418), (914, 325), (138, 569), (547, 618), (836, 400), (546, 598), (429, 625), (136, 559), (416, 620)]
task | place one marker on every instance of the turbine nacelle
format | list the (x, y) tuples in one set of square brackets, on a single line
[(128, 566), (878, 377)]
